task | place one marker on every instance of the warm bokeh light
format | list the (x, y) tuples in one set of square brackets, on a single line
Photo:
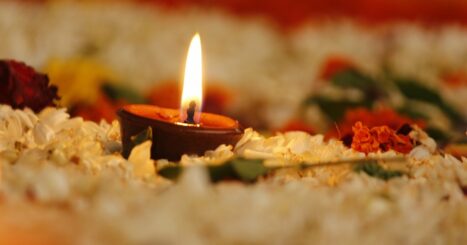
[(192, 82)]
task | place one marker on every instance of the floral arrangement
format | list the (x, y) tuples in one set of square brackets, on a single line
[(368, 136), (72, 166), (382, 104), (372, 176), (369, 122)]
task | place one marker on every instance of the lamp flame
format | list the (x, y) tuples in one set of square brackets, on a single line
[(192, 93)]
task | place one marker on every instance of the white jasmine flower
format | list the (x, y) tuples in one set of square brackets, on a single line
[(218, 156), (43, 133), (140, 157), (420, 152)]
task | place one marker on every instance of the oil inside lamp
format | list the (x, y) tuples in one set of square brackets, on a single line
[(183, 131)]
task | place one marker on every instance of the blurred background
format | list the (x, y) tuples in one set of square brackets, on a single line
[(275, 65)]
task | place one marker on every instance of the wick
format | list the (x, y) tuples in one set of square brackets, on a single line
[(190, 113)]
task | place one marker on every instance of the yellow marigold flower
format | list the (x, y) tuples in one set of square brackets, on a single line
[(78, 79)]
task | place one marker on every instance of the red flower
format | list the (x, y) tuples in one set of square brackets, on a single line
[(401, 143), (21, 86), (297, 125), (334, 65)]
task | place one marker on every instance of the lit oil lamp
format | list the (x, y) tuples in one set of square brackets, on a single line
[(183, 131)]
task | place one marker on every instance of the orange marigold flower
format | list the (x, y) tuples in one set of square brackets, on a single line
[(383, 135), (371, 118), (363, 140), (380, 138)]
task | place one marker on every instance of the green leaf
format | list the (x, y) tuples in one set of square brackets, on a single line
[(414, 90), (438, 135), (241, 169), (352, 78), (335, 109), (248, 170), (221, 172), (375, 170), (170, 172), (118, 92)]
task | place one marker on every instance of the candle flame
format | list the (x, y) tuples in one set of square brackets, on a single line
[(192, 84)]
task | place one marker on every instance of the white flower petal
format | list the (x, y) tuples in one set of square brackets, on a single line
[(43, 133), (140, 157)]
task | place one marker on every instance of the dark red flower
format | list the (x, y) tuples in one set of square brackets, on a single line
[(21, 86)]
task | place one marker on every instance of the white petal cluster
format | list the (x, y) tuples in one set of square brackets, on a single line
[(37, 151), (51, 163), (291, 148), (214, 157)]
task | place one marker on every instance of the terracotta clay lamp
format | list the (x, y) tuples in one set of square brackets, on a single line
[(184, 131)]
